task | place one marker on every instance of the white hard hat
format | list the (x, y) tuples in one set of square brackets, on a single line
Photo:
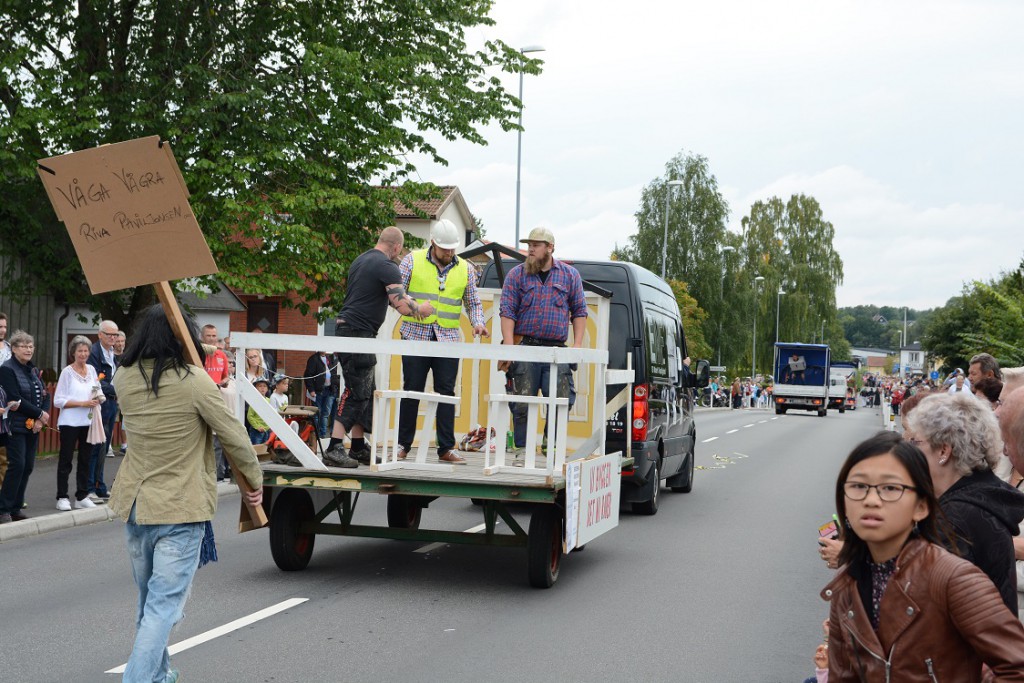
[(444, 234)]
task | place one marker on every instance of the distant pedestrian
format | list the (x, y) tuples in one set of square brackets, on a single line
[(5, 346), (165, 489), (78, 395), (21, 382), (320, 379), (104, 360)]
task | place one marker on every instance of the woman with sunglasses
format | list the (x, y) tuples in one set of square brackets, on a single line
[(903, 608)]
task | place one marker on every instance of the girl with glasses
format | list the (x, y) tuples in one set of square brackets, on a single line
[(902, 607)]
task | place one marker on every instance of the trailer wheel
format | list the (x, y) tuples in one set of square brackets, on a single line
[(404, 512), (842, 409), (821, 413), (780, 411), (544, 546), (290, 548)]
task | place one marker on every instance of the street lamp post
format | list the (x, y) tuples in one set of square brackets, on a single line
[(721, 300), (778, 302), (664, 243), (753, 342), (519, 146)]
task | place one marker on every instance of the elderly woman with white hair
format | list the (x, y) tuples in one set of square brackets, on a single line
[(961, 441)]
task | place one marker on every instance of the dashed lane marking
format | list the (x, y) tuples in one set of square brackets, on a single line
[(732, 431), (430, 547), (709, 440), (761, 422), (224, 630), (749, 425)]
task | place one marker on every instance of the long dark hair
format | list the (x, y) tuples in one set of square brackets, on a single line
[(153, 339), (910, 456)]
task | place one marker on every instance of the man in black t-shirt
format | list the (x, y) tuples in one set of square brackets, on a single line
[(374, 283)]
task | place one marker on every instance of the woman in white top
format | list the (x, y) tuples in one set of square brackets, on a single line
[(77, 398)]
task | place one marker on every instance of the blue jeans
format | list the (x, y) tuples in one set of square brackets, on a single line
[(21, 460), (256, 437), (164, 559), (325, 403), (108, 413)]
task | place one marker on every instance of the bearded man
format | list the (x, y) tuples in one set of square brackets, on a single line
[(539, 301)]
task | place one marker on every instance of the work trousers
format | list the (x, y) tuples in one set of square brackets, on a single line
[(21, 460), (72, 439), (414, 376), (525, 379)]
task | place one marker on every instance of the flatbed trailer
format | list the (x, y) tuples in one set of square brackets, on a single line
[(304, 503), (573, 486)]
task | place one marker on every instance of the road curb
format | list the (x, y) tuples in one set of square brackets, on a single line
[(35, 526)]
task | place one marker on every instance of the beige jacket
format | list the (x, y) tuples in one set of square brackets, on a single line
[(170, 473)]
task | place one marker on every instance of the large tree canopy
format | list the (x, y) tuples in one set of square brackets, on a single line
[(283, 115)]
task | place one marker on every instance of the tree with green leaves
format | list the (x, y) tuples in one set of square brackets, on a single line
[(693, 317), (696, 213), (291, 121), (791, 246)]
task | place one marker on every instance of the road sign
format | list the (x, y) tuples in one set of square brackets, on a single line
[(935, 374)]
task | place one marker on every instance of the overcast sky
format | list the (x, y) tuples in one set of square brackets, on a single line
[(902, 119)]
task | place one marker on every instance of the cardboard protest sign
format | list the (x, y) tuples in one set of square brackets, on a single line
[(126, 209)]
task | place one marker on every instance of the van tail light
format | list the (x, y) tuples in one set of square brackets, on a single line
[(640, 412)]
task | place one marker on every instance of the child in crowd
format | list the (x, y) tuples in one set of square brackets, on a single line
[(901, 606), (259, 432), (279, 399)]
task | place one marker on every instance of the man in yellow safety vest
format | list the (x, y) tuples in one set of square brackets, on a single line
[(436, 275)]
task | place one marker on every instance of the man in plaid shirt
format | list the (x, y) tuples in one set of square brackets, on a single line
[(540, 299), (438, 276)]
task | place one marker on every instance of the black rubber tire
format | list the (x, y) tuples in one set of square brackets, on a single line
[(822, 413), (683, 482), (842, 409), (404, 512), (650, 506), (780, 411), (291, 550), (544, 546)]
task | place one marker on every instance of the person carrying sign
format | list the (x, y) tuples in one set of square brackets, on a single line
[(374, 283), (540, 299), (437, 276)]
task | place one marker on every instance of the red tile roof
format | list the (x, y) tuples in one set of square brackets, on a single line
[(430, 207)]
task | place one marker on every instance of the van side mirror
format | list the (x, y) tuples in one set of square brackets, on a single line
[(701, 376)]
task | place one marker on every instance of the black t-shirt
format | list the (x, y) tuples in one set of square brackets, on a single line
[(366, 300)]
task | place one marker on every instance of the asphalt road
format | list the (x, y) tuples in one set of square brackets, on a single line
[(720, 586)]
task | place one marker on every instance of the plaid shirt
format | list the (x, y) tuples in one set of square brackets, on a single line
[(544, 310), (470, 301)]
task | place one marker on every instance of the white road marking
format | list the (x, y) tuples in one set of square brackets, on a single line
[(430, 547), (709, 440), (732, 431), (761, 422), (774, 418), (224, 630), (742, 455), (749, 425)]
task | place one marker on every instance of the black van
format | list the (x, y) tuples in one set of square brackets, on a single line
[(645, 321)]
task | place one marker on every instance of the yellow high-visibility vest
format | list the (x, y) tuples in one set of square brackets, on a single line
[(424, 285)]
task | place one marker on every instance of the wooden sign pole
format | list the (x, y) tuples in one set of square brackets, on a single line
[(257, 518)]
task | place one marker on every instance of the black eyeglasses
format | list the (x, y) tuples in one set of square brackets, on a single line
[(888, 493)]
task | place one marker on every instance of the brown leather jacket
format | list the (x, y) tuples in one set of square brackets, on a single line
[(940, 618)]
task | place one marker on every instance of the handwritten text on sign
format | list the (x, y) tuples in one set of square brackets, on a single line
[(599, 497), (126, 209)]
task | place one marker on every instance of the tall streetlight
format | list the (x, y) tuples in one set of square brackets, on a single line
[(519, 147), (778, 302), (664, 243), (753, 342), (721, 299)]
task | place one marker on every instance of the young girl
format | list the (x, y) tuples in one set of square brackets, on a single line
[(903, 608)]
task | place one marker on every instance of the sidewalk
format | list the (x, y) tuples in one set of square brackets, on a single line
[(41, 497)]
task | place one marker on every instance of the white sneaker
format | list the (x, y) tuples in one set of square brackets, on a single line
[(84, 503), (110, 452), (64, 505)]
